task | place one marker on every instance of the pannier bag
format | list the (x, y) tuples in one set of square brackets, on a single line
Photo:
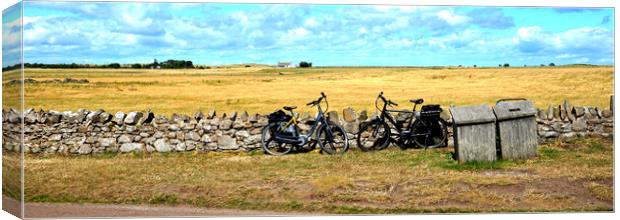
[(430, 111), (278, 116)]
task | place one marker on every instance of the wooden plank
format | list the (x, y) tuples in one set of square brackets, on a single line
[(476, 142), (518, 138)]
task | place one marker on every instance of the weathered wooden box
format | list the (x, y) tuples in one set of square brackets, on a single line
[(516, 128), (474, 133)]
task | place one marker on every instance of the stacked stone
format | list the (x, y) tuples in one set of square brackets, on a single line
[(569, 122), (89, 132)]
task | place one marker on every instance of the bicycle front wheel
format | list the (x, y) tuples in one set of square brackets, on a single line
[(430, 133), (333, 139), (373, 135)]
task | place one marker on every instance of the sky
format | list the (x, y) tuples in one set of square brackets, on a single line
[(326, 35)]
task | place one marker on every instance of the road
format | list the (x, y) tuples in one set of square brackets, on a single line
[(63, 210)]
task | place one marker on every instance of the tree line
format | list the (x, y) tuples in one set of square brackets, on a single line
[(168, 64)]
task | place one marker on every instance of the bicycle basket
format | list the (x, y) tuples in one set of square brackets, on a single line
[(278, 116), (430, 111)]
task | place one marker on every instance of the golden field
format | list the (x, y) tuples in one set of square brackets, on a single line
[(263, 89)]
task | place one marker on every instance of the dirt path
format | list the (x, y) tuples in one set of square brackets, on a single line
[(60, 210)]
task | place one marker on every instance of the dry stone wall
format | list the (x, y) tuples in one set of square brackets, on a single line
[(90, 132)]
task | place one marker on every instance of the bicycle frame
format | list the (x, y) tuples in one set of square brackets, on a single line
[(385, 114), (319, 120)]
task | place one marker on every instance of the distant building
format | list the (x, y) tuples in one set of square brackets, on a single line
[(284, 64)]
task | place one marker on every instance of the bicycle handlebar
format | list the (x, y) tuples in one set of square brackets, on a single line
[(318, 101), (386, 101)]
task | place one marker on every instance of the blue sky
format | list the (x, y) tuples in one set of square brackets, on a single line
[(351, 35)]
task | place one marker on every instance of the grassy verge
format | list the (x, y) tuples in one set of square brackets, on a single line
[(572, 176)]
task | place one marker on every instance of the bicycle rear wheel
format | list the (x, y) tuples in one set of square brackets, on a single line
[(431, 133), (270, 145)]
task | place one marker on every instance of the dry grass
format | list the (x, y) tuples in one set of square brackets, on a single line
[(565, 176), (263, 89)]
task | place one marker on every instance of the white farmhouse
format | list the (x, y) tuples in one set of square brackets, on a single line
[(284, 64)]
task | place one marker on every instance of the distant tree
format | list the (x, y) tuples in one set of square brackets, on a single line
[(551, 64), (542, 64), (506, 65), (475, 66), (500, 65), (136, 66), (304, 64), (114, 65)]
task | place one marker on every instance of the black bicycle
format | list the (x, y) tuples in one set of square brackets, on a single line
[(428, 130), (282, 133)]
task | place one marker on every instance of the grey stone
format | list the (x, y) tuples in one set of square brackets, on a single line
[(606, 113), (30, 117), (362, 116), (226, 142), (348, 114), (244, 116), (192, 136), (55, 137), (132, 118), (85, 149), (238, 124), (549, 134), (225, 124), (124, 139), (107, 142), (180, 146), (333, 117), (104, 117), (211, 114), (262, 122), (158, 134), (161, 145), (252, 139), (198, 115), (150, 148), (578, 111), (148, 118), (131, 147), (119, 117), (205, 138), (580, 124), (242, 134), (149, 140), (90, 140), (173, 127), (190, 145), (568, 136)]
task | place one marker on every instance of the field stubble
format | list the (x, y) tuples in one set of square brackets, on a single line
[(262, 90)]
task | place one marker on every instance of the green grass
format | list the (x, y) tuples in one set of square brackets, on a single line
[(388, 181)]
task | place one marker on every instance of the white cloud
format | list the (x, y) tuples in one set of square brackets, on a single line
[(311, 22), (574, 42), (363, 30), (398, 44), (451, 18)]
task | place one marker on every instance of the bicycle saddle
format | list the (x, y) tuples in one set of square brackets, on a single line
[(417, 101), (288, 108)]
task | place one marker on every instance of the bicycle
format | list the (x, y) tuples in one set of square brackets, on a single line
[(427, 131), (282, 133)]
